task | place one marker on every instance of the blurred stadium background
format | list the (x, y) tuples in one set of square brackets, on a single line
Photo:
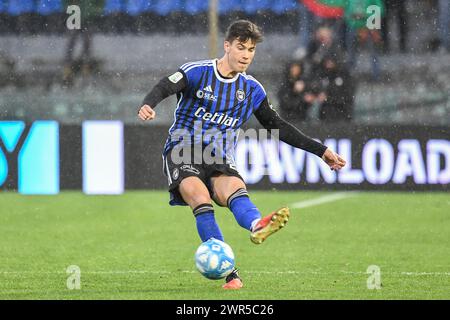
[(134, 43), (68, 121)]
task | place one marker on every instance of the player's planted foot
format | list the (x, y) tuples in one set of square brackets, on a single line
[(269, 225), (233, 281)]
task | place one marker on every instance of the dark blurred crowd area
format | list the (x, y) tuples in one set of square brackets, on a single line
[(317, 83)]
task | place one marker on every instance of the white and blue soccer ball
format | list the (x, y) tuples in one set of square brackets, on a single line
[(214, 259)]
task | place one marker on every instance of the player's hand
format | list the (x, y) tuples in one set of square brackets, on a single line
[(333, 160), (146, 113)]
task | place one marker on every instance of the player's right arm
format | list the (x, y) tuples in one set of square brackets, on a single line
[(166, 86)]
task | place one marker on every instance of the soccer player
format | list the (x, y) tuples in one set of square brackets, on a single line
[(218, 95)]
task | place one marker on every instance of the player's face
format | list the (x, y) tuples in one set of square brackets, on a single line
[(240, 54)]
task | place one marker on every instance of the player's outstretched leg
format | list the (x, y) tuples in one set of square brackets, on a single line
[(269, 225), (248, 217), (244, 210), (233, 281)]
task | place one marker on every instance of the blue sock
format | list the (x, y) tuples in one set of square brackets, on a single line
[(206, 223), (244, 211)]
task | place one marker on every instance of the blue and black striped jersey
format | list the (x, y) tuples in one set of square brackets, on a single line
[(211, 105), (211, 109)]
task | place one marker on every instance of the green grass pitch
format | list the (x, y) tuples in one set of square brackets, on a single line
[(135, 246)]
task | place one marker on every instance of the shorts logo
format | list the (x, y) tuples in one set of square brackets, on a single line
[(232, 166), (175, 174), (230, 162), (240, 95), (190, 168), (177, 76)]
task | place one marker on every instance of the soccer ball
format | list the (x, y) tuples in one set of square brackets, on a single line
[(214, 259)]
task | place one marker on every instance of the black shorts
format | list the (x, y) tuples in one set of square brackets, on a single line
[(177, 172)]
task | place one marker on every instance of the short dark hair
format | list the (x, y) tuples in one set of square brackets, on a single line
[(243, 30)]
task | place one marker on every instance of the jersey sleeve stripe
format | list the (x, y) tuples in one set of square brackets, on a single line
[(196, 66), (249, 77), (187, 65)]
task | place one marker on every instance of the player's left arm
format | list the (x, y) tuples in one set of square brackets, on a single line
[(289, 134)]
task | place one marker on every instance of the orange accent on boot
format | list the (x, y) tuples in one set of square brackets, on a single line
[(234, 284)]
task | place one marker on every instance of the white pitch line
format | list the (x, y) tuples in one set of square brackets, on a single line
[(113, 272), (324, 199), (426, 273)]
